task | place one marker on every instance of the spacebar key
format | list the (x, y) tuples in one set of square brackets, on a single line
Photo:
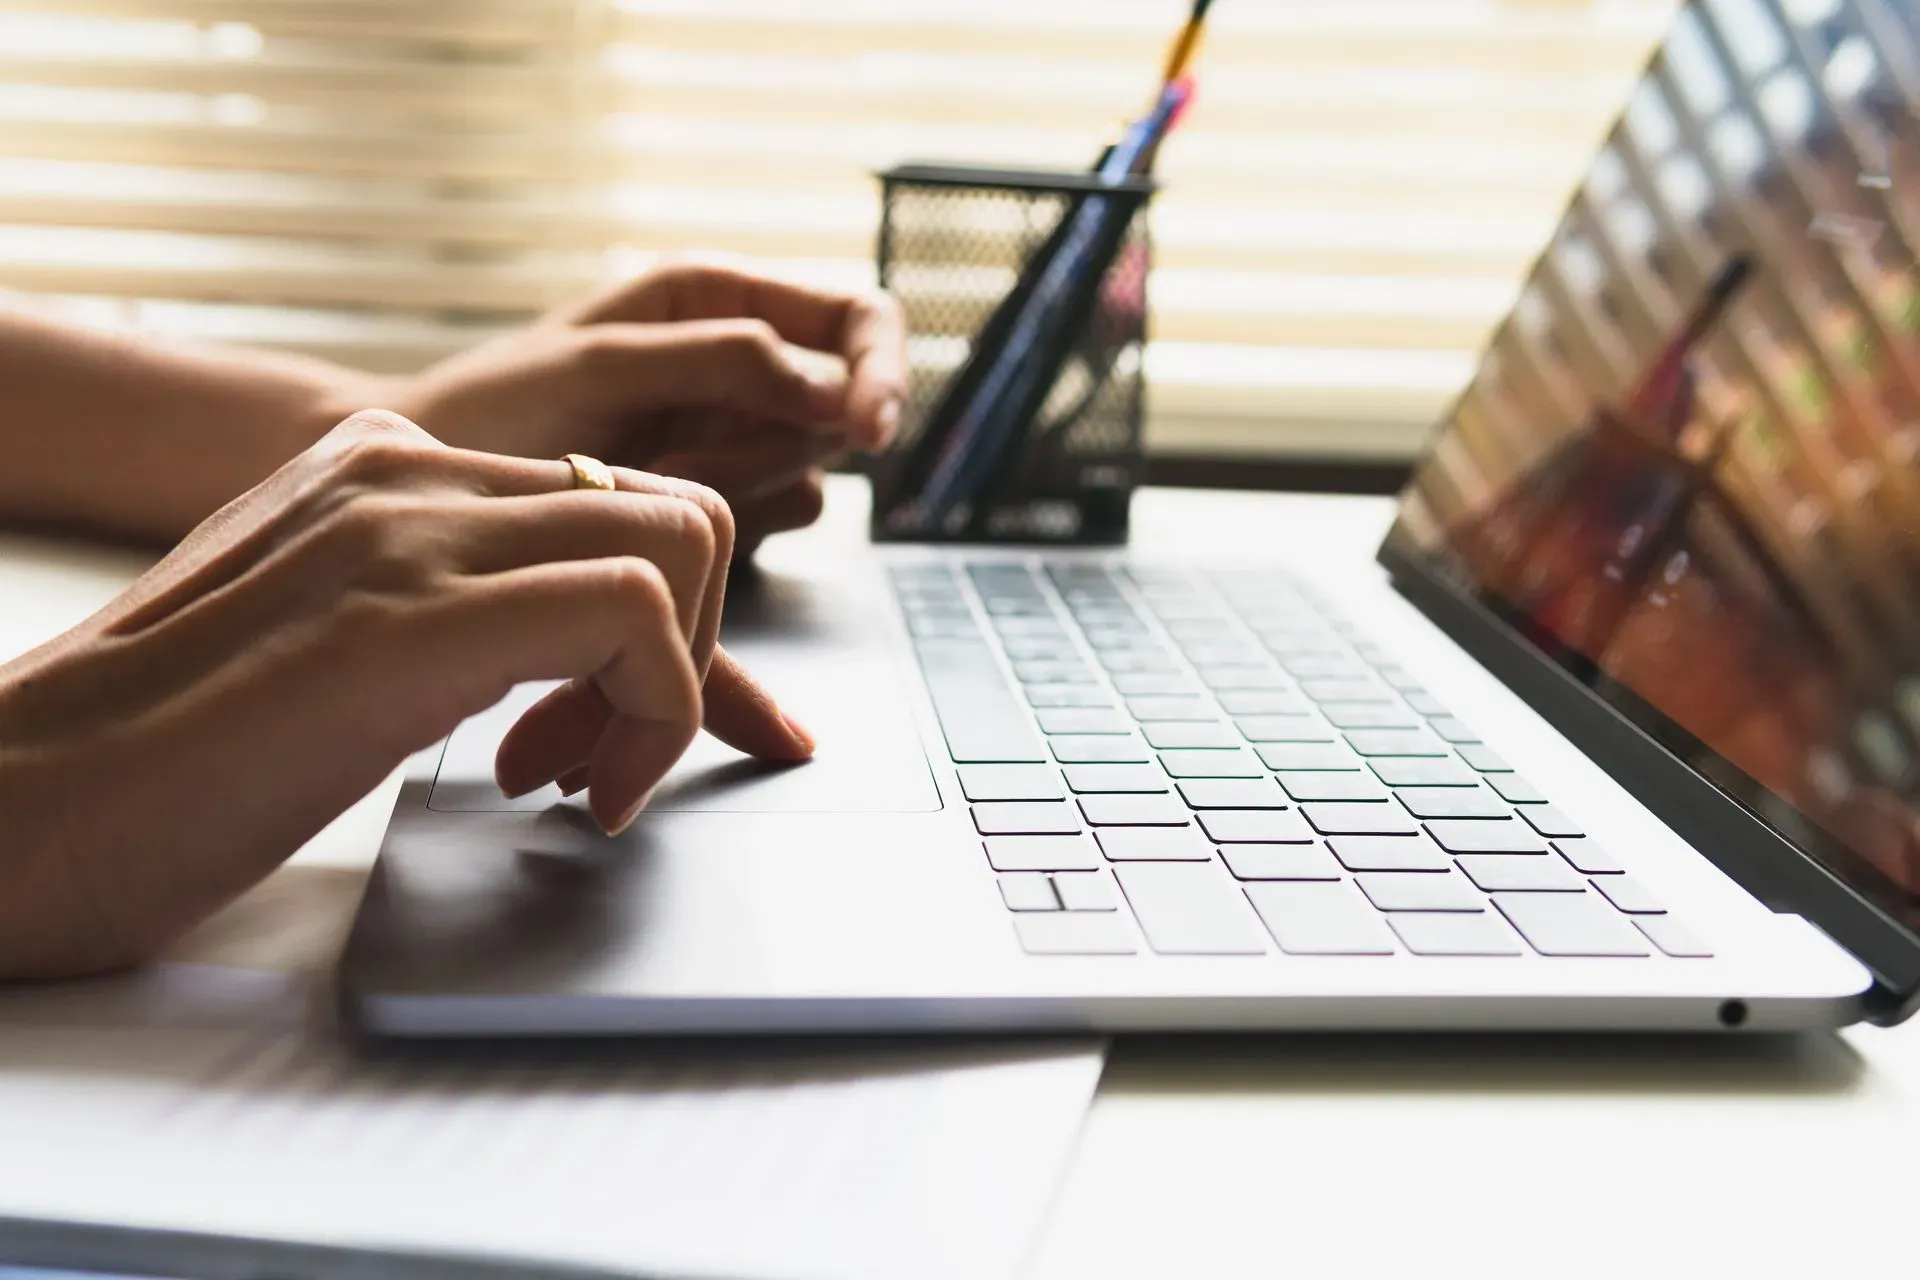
[(982, 720), (1190, 909)]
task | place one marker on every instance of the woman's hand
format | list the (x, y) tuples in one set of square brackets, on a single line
[(169, 752), (713, 374)]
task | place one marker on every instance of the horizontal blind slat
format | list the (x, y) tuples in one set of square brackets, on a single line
[(1345, 214)]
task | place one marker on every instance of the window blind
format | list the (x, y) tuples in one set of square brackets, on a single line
[(1346, 213)]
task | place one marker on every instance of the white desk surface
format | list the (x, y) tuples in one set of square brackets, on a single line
[(1320, 1157)]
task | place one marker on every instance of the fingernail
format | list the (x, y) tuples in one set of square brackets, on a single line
[(807, 741), (888, 419), (626, 819)]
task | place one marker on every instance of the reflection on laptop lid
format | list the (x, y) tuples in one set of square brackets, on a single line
[(1688, 469)]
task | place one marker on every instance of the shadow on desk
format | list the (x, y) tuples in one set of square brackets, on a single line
[(1802, 1065)]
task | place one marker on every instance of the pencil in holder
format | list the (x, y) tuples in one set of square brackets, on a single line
[(962, 249)]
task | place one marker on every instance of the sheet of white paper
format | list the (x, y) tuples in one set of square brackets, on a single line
[(210, 1099)]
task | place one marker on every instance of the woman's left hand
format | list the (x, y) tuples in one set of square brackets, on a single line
[(743, 383)]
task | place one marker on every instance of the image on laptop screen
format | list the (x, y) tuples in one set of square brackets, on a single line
[(1689, 464)]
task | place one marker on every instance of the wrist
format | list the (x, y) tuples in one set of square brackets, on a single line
[(353, 391)]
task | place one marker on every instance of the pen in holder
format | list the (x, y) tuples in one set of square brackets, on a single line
[(1057, 460)]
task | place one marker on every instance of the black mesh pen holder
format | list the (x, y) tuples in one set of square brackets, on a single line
[(954, 243)]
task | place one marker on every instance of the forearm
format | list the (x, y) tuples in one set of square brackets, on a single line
[(139, 438)]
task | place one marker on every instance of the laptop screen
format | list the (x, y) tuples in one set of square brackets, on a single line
[(1688, 467)]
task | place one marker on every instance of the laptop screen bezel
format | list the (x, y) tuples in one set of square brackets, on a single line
[(1649, 753)]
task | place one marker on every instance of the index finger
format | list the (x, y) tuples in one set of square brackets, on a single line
[(864, 329)]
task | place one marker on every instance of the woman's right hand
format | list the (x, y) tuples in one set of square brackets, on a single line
[(168, 753)]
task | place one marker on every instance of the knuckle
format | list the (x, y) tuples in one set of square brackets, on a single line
[(690, 527), (382, 422), (639, 586), (379, 458), (371, 537), (712, 506), (810, 502), (599, 350), (754, 340)]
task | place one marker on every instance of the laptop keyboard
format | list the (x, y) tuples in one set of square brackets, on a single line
[(1217, 763)]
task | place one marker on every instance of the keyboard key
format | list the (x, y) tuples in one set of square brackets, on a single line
[(1040, 671), (1296, 640), (1314, 918), (1485, 934), (1211, 734), (1151, 660), (1017, 818), (1071, 749), (1211, 764), (1084, 891), (1135, 811), (960, 627), (1010, 782), (979, 716), (1146, 710), (1389, 853), (1180, 608), (1154, 844), (1549, 821), (1243, 679), (1042, 853), (1254, 826), (1147, 682), (1453, 729), (1112, 637), (1399, 678), (1066, 695), (1028, 891), (1209, 627), (1189, 909), (1473, 836), (1040, 648), (1075, 933), (1395, 742), (1224, 652), (1232, 793), (1588, 857), (1515, 788), (1307, 785), (1426, 704), (1342, 689), (1303, 665), (1418, 772), (1420, 891), (1115, 778), (1360, 819), (1673, 937), (1368, 715), (1284, 728), (1264, 702), (1082, 720), (1629, 895), (1505, 873), (1452, 802), (1484, 758), (1327, 756), (1280, 862), (1048, 627), (1571, 924)]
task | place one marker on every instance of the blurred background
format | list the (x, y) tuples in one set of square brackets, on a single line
[(1350, 209)]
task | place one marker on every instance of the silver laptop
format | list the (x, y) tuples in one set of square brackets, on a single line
[(1623, 732)]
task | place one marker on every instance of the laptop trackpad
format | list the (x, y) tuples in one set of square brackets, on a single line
[(828, 670)]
